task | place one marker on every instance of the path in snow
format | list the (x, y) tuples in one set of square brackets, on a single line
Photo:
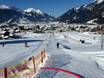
[(69, 59)]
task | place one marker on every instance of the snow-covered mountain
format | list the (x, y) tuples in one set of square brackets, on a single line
[(38, 15), (85, 13), (4, 7), (15, 15), (32, 10), (99, 1)]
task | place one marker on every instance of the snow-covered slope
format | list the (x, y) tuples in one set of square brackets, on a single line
[(83, 59), (73, 58), (4, 7), (29, 10)]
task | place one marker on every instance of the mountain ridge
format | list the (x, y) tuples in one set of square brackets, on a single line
[(84, 13), (15, 15)]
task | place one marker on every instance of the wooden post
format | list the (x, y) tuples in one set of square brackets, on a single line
[(5, 73), (42, 57), (43, 53), (34, 64)]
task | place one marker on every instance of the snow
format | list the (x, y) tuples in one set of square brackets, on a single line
[(34, 11), (4, 7), (91, 21), (89, 39), (14, 51), (24, 20), (79, 59), (31, 35), (77, 8), (85, 59), (99, 1)]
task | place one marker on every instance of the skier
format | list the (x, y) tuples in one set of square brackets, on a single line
[(58, 45)]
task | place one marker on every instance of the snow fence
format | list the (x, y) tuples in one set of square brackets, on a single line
[(27, 69)]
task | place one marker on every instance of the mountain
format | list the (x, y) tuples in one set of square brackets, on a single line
[(92, 12), (15, 15), (99, 1), (32, 10), (38, 15)]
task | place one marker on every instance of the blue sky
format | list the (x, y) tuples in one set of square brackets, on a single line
[(53, 7)]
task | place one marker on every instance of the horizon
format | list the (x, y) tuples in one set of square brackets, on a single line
[(52, 8)]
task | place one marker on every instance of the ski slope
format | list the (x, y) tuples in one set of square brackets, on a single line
[(86, 60), (73, 56), (15, 51)]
